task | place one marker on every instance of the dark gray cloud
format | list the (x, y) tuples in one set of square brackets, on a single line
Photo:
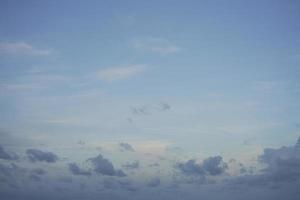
[(76, 170), (7, 155), (214, 165), (190, 167), (132, 165), (38, 155), (210, 166), (126, 147), (105, 167)]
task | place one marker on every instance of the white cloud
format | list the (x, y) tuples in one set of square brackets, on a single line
[(22, 48), (156, 45), (120, 73)]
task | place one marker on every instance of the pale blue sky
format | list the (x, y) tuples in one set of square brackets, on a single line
[(203, 77)]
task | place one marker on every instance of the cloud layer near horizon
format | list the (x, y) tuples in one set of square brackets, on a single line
[(279, 172)]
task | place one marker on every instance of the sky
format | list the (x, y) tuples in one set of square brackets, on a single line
[(149, 99)]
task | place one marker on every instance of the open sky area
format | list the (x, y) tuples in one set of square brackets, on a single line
[(150, 100)]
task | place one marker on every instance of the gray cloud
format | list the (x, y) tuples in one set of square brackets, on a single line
[(214, 165), (210, 166), (126, 147), (190, 168), (163, 106), (6, 155), (149, 109), (76, 170), (38, 155), (133, 165), (282, 166), (39, 171), (104, 166), (154, 182)]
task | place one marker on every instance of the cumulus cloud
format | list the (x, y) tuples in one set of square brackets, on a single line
[(132, 165), (6, 155), (22, 48), (214, 165), (125, 147), (38, 155), (282, 166), (210, 166), (190, 167), (105, 167), (120, 73), (76, 170)]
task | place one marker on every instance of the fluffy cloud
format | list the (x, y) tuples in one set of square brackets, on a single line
[(282, 166), (126, 147), (105, 167), (7, 156), (210, 166), (214, 165), (190, 167), (38, 155), (120, 73), (76, 170)]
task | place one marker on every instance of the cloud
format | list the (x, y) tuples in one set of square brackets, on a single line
[(74, 168), (154, 182), (148, 109), (156, 45), (7, 156), (133, 165), (282, 166), (164, 106), (120, 73), (126, 147), (10, 175), (210, 166), (190, 168), (214, 165), (22, 48), (38, 155), (105, 167), (39, 171)]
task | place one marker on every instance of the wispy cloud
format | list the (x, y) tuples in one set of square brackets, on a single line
[(22, 48), (120, 73), (156, 45)]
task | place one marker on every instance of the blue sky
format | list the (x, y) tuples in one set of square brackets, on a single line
[(180, 80)]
